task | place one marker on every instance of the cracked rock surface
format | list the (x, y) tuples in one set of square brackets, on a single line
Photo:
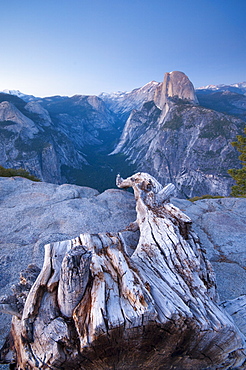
[(34, 214), (221, 226), (100, 301)]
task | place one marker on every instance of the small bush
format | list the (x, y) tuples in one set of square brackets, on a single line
[(10, 172), (207, 196)]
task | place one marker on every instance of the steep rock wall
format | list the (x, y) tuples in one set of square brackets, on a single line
[(176, 140)]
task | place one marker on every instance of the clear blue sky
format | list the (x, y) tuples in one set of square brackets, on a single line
[(68, 47)]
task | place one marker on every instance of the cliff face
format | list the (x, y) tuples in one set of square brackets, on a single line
[(176, 84), (178, 141), (167, 133), (228, 102), (34, 144), (122, 103), (54, 142)]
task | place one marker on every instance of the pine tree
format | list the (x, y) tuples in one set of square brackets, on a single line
[(239, 175)]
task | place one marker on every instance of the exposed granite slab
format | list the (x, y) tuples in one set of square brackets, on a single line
[(33, 214)]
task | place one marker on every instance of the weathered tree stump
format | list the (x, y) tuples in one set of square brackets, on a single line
[(93, 306)]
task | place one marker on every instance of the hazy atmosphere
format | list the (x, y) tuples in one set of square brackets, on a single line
[(69, 47)]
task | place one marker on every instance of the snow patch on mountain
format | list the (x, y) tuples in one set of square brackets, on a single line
[(239, 87), (20, 95), (122, 103)]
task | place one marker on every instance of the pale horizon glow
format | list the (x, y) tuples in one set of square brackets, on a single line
[(70, 47)]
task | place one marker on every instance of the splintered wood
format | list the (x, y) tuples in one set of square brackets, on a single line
[(93, 306)]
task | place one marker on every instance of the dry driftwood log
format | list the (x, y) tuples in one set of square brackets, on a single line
[(94, 306)]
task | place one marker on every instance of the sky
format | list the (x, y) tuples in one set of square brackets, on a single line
[(68, 47)]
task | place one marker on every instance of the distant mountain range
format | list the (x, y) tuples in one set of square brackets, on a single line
[(25, 97), (168, 129), (239, 88)]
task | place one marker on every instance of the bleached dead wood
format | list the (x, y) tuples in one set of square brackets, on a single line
[(74, 276), (95, 307)]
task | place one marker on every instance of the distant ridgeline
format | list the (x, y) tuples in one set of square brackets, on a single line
[(168, 129)]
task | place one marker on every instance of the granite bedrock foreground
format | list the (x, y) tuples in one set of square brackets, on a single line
[(34, 214)]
